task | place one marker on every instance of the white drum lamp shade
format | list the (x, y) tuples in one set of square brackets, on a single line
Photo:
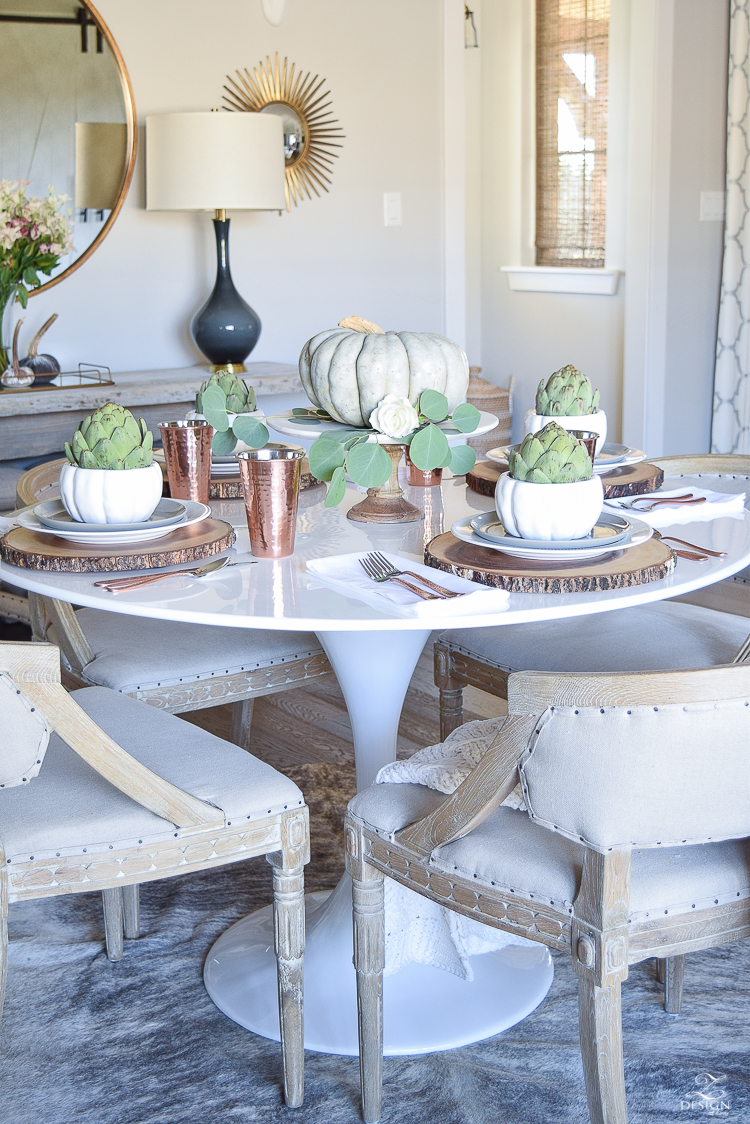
[(214, 161)]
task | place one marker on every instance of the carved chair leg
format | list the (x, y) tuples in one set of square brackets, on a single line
[(674, 979), (289, 945), (113, 922), (600, 1025), (451, 710), (131, 911), (369, 950), (242, 716), (661, 969)]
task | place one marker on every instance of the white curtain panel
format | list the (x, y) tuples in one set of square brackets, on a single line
[(731, 420)]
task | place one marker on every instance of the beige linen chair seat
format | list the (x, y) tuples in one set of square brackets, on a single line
[(635, 843), (69, 809), (136, 655), (510, 853), (101, 792), (650, 637)]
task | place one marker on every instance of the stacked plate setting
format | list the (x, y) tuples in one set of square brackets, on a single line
[(610, 456), (51, 518), (611, 533)]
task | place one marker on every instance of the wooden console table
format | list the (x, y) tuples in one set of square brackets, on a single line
[(36, 422)]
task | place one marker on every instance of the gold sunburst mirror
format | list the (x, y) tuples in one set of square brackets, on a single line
[(311, 132)]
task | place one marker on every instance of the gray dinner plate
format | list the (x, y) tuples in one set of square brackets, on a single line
[(52, 514), (609, 529)]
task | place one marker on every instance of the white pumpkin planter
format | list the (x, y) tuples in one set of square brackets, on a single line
[(594, 423), (348, 370), (548, 511), (107, 495)]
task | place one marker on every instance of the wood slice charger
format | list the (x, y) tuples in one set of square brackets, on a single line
[(32, 551), (630, 480), (649, 562)]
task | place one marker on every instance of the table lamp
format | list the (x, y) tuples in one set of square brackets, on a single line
[(217, 162)]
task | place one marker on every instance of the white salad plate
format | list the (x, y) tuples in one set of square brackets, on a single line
[(194, 513), (610, 456), (53, 514), (291, 427), (639, 533), (606, 532)]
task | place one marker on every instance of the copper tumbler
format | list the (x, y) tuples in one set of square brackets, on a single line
[(270, 484), (589, 439), (420, 478), (187, 451)]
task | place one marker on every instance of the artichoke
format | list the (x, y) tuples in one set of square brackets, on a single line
[(567, 393), (240, 397), (111, 438), (551, 456)]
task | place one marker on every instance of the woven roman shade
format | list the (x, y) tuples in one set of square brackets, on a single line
[(571, 131)]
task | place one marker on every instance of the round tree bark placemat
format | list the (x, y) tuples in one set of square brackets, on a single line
[(33, 551), (648, 562), (230, 487), (630, 480)]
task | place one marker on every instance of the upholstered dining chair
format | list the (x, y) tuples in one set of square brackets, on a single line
[(667, 634), (617, 857), (170, 665), (99, 791), (173, 666)]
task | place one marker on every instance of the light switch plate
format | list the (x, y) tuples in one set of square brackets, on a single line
[(392, 208), (712, 206)]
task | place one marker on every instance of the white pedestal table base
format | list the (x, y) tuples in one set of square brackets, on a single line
[(425, 1008)]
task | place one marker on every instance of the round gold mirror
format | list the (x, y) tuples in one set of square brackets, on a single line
[(67, 116)]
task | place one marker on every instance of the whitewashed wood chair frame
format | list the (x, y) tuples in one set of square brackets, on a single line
[(597, 931), (205, 840)]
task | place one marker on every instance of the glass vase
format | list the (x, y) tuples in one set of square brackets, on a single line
[(7, 324)]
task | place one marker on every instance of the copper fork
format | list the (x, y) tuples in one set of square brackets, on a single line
[(387, 570)]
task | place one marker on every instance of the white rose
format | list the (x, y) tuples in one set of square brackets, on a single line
[(394, 416)]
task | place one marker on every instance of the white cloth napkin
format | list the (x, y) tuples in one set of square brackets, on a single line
[(717, 505), (344, 572)]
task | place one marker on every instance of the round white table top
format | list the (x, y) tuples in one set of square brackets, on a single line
[(283, 595)]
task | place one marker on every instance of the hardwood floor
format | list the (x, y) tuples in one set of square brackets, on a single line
[(310, 725)]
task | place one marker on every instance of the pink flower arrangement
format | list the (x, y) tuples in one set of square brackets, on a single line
[(34, 235)]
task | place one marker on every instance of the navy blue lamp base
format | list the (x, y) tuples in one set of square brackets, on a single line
[(226, 329)]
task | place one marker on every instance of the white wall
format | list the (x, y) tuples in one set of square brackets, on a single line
[(129, 306), (529, 335), (698, 161)]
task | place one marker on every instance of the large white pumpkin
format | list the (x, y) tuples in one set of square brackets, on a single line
[(349, 369)]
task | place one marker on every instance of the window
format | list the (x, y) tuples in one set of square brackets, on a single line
[(571, 131)]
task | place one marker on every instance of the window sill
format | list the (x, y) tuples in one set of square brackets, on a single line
[(559, 279)]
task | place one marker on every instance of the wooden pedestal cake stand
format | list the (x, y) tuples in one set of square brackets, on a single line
[(387, 504)]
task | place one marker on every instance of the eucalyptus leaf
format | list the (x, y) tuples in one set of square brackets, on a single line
[(223, 443), (23, 296), (428, 448), (445, 463), (214, 407), (433, 405), (325, 457), (466, 417), (301, 411), (336, 489), (308, 419), (368, 464), (463, 459), (250, 430)]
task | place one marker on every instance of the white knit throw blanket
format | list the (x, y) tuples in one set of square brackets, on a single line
[(416, 928)]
